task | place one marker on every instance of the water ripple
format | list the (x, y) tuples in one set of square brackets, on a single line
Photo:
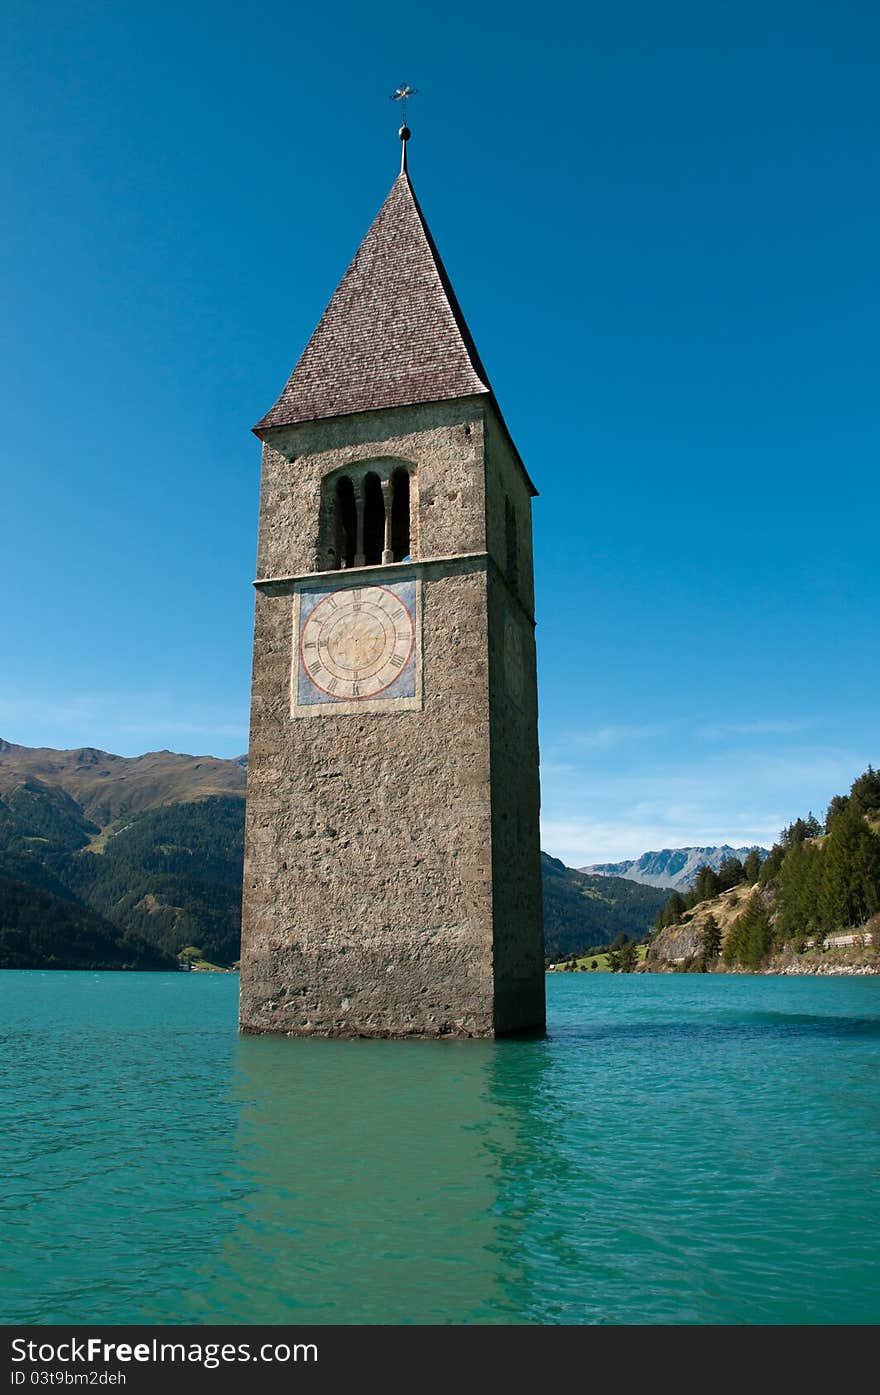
[(678, 1149)]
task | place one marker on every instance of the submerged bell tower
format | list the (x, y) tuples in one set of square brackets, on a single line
[(392, 880)]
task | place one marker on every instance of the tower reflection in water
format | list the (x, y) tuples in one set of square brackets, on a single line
[(382, 1182)]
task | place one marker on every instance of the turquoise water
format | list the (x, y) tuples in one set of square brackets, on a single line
[(679, 1149)]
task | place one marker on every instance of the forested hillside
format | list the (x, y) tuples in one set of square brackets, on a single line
[(167, 878), (108, 861), (42, 931), (582, 912), (820, 880), (173, 876)]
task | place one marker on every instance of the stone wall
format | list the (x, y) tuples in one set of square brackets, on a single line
[(508, 487), (444, 441), (516, 797), (392, 875), (368, 895)]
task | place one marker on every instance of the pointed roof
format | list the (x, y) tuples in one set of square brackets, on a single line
[(392, 335)]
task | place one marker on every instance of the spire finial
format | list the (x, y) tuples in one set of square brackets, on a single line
[(403, 92)]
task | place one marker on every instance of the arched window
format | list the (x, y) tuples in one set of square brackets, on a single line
[(374, 521), (364, 518), (400, 544), (344, 524)]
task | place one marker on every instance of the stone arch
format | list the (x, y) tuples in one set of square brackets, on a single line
[(366, 515)]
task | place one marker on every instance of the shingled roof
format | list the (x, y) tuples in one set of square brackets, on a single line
[(392, 335)]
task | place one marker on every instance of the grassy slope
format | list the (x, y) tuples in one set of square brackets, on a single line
[(678, 943), (585, 962)]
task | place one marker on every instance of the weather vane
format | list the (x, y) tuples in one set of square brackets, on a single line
[(403, 92)]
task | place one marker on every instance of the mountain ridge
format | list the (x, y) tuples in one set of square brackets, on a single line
[(106, 785), (674, 869)]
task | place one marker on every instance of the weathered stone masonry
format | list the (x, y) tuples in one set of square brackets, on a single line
[(392, 872)]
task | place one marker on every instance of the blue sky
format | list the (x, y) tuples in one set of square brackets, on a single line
[(662, 223)]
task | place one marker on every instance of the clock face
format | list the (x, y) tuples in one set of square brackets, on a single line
[(356, 641), (356, 645)]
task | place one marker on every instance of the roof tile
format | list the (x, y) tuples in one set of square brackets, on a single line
[(392, 335)]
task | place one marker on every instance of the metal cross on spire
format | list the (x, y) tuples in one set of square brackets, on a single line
[(403, 93)]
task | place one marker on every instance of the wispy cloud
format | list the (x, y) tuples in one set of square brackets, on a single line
[(65, 707), (126, 723), (558, 768), (579, 841), (722, 731), (185, 728), (603, 738), (689, 795)]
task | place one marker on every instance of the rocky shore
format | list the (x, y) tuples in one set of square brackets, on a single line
[(832, 969)]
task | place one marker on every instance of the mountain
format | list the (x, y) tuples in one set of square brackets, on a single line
[(149, 850), (673, 868), (145, 852), (582, 912), (106, 787)]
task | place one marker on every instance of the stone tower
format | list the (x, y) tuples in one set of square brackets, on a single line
[(392, 881)]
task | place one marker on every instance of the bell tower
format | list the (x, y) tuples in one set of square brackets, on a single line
[(392, 882)]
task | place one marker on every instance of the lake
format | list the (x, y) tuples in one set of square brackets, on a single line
[(679, 1149)]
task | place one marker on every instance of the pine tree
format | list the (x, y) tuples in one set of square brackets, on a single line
[(751, 937), (837, 806), (865, 791), (771, 864), (710, 943), (799, 892), (628, 957), (752, 867), (675, 908), (844, 896), (869, 870), (730, 873), (706, 885)]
